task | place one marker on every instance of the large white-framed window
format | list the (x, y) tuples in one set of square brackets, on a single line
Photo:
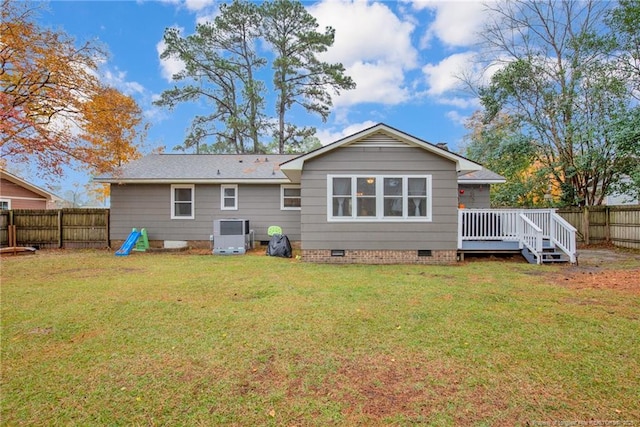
[(290, 197), (229, 197), (379, 198), (5, 204), (183, 201)]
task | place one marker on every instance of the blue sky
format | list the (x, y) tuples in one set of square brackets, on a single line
[(404, 56)]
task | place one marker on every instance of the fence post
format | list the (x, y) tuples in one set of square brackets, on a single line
[(60, 242), (585, 225), (107, 215), (607, 224)]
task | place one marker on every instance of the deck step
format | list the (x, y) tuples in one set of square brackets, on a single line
[(549, 256)]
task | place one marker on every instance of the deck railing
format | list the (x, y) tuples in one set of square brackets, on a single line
[(487, 224), (563, 235), (509, 225), (541, 218), (531, 236)]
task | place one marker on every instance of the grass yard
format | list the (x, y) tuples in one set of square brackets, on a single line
[(187, 339)]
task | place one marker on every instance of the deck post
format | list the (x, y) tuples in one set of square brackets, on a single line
[(552, 229), (519, 227), (460, 228)]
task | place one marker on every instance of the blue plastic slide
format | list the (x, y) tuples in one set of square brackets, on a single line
[(126, 247)]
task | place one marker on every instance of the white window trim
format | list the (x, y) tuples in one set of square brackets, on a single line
[(235, 199), (192, 187), (289, 208), (379, 199), (8, 201)]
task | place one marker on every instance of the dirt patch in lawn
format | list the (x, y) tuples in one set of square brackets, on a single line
[(602, 268), (620, 280)]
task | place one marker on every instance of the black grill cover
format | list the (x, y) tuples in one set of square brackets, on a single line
[(279, 245)]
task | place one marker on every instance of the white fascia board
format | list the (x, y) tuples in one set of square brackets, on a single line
[(482, 181)]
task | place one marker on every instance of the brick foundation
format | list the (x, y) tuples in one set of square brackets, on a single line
[(379, 257)]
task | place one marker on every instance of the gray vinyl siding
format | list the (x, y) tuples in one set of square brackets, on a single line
[(439, 234), (149, 206), (476, 196)]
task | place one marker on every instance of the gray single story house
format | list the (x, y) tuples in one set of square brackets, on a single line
[(377, 196)]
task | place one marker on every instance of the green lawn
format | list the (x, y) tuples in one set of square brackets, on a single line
[(176, 339)]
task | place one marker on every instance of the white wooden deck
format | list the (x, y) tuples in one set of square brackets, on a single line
[(541, 235)]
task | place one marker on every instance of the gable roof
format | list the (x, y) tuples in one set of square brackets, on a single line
[(27, 185), (273, 168), (293, 168), (201, 168)]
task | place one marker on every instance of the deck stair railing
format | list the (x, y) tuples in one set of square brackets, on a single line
[(533, 228), (541, 218), (563, 235), (530, 236)]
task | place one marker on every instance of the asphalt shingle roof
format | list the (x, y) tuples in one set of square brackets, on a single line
[(481, 175), (202, 167), (225, 167)]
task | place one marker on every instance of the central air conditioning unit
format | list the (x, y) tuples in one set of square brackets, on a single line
[(232, 236)]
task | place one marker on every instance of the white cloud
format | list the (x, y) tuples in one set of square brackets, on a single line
[(453, 74), (197, 5), (373, 44), (205, 17), (155, 114), (191, 5), (456, 23), (445, 76), (168, 66), (448, 80), (205, 10), (456, 117), (118, 79), (327, 136), (459, 102), (376, 82)]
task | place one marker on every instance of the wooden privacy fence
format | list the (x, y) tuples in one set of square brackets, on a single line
[(89, 228), (619, 225), (62, 228)]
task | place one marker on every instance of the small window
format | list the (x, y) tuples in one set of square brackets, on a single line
[(290, 197), (5, 204), (393, 200), (229, 197), (366, 197), (182, 202), (417, 206), (341, 193)]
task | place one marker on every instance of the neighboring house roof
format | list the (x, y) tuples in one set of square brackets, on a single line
[(27, 185), (484, 176), (293, 168), (201, 168)]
